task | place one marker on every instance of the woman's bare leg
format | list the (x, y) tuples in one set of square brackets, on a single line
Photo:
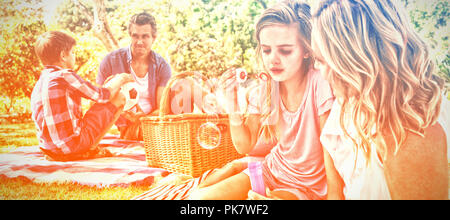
[(232, 188), (230, 169)]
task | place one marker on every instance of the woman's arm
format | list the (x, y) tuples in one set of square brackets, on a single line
[(335, 184), (244, 133), (419, 170)]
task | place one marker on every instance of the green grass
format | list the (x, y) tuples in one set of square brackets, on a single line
[(16, 135), (23, 189)]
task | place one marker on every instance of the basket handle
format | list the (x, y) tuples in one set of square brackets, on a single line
[(164, 108)]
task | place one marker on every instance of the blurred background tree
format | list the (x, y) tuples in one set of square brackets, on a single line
[(430, 20), (208, 36), (20, 24), (204, 35)]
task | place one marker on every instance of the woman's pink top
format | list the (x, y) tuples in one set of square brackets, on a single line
[(296, 161)]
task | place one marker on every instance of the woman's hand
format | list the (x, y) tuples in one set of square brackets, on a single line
[(228, 87)]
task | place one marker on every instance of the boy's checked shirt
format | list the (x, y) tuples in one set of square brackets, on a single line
[(56, 108)]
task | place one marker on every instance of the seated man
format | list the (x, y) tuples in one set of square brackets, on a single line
[(150, 71), (64, 133)]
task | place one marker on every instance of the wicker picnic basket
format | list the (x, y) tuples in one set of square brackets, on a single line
[(171, 141)]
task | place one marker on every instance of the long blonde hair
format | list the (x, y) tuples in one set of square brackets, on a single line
[(380, 68), (288, 12)]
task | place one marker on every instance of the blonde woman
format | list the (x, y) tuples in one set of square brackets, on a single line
[(294, 169), (384, 137)]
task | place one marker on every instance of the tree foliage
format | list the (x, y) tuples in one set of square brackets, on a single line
[(208, 36), (72, 18), (212, 35), (430, 19), (19, 66)]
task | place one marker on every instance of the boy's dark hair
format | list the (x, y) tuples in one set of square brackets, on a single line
[(48, 46), (143, 19)]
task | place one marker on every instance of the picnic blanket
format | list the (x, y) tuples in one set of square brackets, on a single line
[(173, 187), (179, 187), (127, 167)]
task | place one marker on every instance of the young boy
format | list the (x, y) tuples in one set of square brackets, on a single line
[(64, 133)]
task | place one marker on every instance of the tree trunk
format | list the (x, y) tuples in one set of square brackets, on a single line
[(99, 21), (101, 27)]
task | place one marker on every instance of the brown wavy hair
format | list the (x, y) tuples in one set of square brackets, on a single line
[(380, 70), (288, 12)]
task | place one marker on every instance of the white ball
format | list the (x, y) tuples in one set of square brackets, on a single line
[(131, 94)]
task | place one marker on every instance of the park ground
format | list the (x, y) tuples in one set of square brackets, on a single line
[(17, 133)]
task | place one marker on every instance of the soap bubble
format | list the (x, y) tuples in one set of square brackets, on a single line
[(208, 135)]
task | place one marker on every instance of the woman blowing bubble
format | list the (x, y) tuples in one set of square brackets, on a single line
[(384, 137), (300, 103)]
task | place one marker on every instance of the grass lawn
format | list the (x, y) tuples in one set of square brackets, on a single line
[(16, 135), (23, 134), (23, 189)]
